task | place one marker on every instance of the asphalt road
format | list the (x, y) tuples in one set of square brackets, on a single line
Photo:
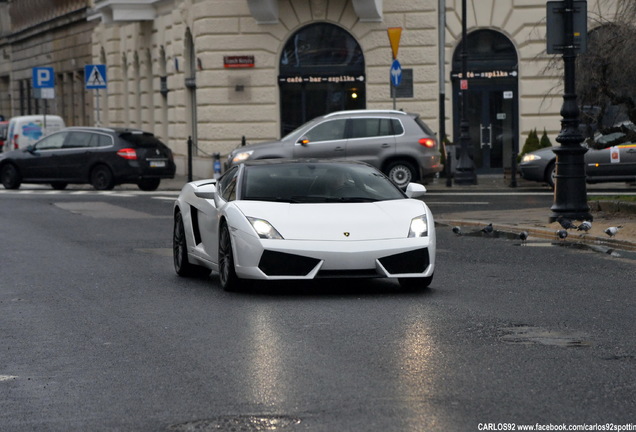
[(98, 333)]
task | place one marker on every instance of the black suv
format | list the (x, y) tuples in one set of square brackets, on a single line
[(103, 157), (399, 144)]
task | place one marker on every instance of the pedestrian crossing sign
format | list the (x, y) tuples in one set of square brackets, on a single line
[(95, 76)]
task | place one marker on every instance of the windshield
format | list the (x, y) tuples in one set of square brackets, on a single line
[(317, 183), (139, 139)]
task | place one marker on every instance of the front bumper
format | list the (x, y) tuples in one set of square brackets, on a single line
[(295, 259)]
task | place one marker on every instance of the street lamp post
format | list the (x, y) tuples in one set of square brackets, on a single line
[(570, 192), (465, 170)]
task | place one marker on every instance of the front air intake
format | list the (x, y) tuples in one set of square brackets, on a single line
[(284, 264)]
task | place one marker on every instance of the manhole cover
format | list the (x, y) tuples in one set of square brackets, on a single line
[(247, 423), (537, 335)]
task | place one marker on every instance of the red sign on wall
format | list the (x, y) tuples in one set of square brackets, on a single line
[(246, 61)]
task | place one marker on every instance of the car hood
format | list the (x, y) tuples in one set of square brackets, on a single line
[(258, 146), (544, 151), (338, 221)]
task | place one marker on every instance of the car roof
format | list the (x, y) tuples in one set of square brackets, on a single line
[(117, 130), (302, 161), (364, 113)]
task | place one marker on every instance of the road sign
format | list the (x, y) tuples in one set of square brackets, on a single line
[(396, 73), (95, 76), (43, 77), (394, 38), (555, 26)]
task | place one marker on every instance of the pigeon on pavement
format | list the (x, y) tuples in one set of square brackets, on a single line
[(487, 229), (523, 235), (585, 226), (565, 223), (457, 230), (611, 231), (562, 234)]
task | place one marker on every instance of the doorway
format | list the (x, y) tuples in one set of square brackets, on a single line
[(321, 70), (492, 101)]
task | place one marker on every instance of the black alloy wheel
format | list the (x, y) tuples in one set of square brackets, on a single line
[(182, 266), (102, 178), (10, 176), (227, 273)]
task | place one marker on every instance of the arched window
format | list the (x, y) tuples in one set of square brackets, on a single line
[(321, 70)]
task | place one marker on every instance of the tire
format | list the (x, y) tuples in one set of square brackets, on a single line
[(102, 178), (149, 184), (182, 266), (414, 284), (227, 273), (10, 176), (550, 174), (59, 185), (401, 173)]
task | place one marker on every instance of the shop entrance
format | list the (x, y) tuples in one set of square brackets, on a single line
[(321, 71), (492, 101)]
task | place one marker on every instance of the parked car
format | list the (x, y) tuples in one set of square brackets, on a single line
[(295, 219), (26, 130), (399, 144), (103, 157), (612, 164), (4, 128)]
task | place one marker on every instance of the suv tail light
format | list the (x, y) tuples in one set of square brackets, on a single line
[(15, 142), (127, 153), (427, 142)]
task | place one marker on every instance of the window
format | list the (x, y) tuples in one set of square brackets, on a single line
[(104, 141), (372, 127), (327, 131), (79, 140), (52, 142), (227, 184)]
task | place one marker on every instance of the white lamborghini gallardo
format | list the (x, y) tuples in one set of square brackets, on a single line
[(303, 219)]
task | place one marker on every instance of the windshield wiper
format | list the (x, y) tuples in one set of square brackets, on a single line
[(273, 199), (351, 199)]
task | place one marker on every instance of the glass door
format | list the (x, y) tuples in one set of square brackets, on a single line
[(492, 120)]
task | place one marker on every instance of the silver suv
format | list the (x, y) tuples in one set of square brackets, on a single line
[(399, 144)]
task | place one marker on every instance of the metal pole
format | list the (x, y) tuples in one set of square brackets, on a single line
[(98, 122), (570, 190), (189, 159), (441, 28), (465, 170)]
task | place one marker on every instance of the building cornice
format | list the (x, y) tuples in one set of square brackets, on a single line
[(109, 11), (266, 11)]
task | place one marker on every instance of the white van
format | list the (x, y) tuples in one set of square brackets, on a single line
[(26, 130)]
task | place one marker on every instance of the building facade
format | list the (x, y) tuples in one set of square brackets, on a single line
[(54, 34), (220, 72)]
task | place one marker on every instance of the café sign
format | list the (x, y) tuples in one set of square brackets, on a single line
[(302, 79)]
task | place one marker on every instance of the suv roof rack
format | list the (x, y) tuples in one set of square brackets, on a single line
[(365, 112)]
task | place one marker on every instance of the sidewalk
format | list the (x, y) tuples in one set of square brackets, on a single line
[(535, 220)]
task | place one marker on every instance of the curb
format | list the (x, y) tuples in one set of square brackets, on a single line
[(609, 243), (613, 206)]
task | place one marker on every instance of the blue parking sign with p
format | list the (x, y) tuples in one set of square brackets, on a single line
[(43, 77)]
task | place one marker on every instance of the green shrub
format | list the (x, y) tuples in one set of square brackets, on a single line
[(545, 141), (532, 143)]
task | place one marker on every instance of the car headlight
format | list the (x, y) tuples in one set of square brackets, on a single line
[(419, 227), (241, 156), (530, 158), (264, 229)]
